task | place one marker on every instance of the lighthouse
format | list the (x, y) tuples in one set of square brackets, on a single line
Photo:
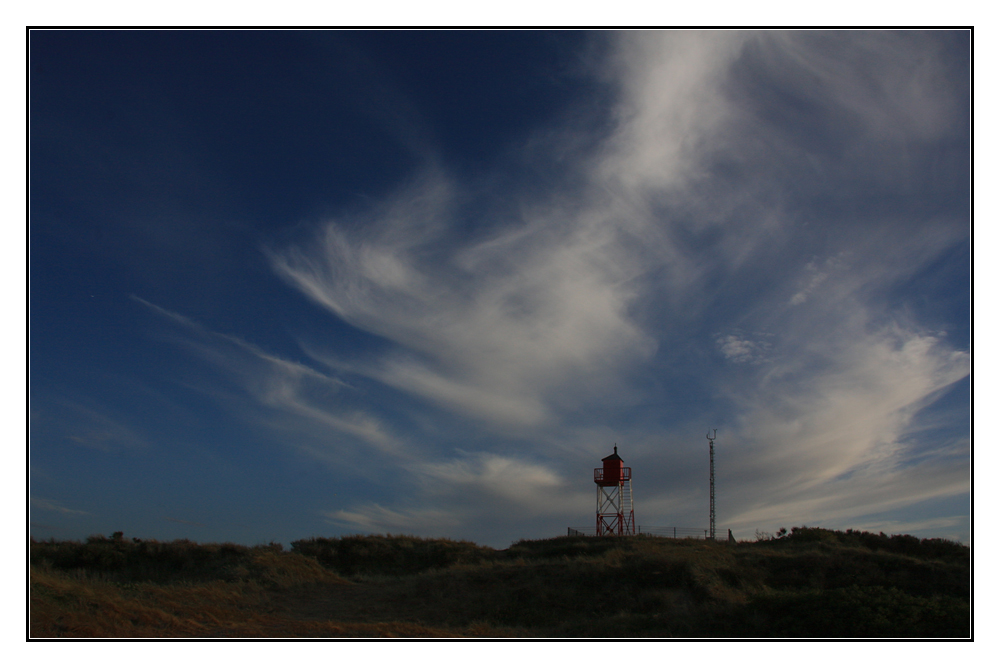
[(615, 516)]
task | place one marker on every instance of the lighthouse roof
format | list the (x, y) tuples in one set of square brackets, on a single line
[(613, 457)]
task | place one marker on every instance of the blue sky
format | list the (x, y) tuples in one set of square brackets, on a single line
[(292, 284)]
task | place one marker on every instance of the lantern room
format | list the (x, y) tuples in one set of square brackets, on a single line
[(613, 473)]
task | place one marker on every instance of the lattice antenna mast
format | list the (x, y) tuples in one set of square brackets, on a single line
[(711, 483)]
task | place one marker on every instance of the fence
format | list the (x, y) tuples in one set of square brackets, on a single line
[(668, 532)]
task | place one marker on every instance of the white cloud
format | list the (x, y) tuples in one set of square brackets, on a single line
[(683, 220), (835, 441), (838, 503), (815, 280), (737, 348), (375, 518), (525, 487), (671, 103), (473, 492), (493, 328), (894, 82), (686, 235)]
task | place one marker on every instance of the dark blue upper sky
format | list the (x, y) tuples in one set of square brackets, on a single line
[(293, 283)]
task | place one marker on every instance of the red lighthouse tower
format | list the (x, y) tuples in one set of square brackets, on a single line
[(615, 516)]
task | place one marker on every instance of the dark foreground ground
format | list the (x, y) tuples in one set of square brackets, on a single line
[(811, 583)]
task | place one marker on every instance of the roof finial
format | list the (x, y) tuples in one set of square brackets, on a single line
[(616, 448)]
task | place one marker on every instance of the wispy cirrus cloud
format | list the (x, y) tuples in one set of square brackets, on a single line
[(737, 232), (480, 494), (287, 388), (87, 425), (54, 506), (849, 415), (511, 326), (494, 328), (375, 518)]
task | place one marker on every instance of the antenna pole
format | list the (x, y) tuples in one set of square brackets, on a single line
[(711, 483)]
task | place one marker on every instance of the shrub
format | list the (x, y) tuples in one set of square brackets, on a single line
[(859, 612), (390, 555)]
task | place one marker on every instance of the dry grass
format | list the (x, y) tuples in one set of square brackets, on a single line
[(813, 583), (65, 606)]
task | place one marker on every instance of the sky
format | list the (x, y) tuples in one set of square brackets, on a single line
[(320, 283)]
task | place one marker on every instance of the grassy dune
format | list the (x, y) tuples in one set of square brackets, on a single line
[(809, 583)]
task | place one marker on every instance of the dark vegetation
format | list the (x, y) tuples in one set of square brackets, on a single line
[(807, 583)]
